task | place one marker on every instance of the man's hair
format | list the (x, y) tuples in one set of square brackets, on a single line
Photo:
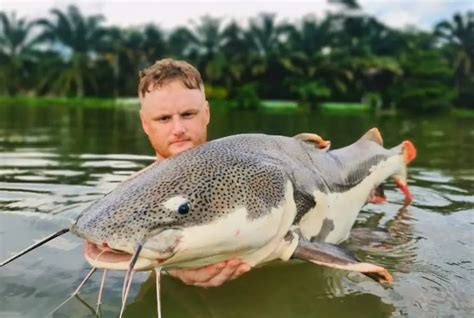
[(167, 70)]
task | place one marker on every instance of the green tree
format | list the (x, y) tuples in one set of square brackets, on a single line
[(201, 45), (426, 85), (78, 41), (17, 54), (207, 41), (459, 36), (235, 49), (265, 37), (307, 44), (125, 53)]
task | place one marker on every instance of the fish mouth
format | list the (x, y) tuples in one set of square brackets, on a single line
[(103, 256)]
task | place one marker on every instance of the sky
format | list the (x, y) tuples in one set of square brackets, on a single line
[(423, 14)]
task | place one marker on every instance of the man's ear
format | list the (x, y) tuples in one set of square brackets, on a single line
[(207, 112), (144, 121)]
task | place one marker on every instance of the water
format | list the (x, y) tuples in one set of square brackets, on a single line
[(54, 161)]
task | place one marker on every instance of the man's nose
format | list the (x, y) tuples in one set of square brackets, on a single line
[(178, 127)]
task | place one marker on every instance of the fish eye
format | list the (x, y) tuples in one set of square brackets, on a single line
[(183, 209)]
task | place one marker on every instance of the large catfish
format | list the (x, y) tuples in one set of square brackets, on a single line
[(255, 197)]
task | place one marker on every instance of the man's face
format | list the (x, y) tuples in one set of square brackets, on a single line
[(175, 118)]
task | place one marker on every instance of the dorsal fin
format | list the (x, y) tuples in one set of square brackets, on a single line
[(314, 138), (373, 135)]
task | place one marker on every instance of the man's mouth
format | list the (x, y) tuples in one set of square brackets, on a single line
[(180, 141)]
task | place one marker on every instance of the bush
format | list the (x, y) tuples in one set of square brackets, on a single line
[(310, 93), (247, 97), (427, 83), (215, 92), (466, 94)]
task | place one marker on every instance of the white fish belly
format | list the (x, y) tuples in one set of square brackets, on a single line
[(236, 235)]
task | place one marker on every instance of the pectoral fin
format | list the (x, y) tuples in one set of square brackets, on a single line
[(331, 255)]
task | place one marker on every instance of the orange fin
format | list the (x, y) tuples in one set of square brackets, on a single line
[(404, 188), (409, 151), (318, 141)]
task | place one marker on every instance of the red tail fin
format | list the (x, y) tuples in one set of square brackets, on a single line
[(409, 151)]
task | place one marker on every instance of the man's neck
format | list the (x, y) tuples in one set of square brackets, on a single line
[(159, 158)]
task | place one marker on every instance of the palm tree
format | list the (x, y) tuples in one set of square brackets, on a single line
[(306, 46), (129, 50), (179, 43), (17, 53), (78, 41), (235, 49), (206, 40), (154, 44), (265, 39), (459, 34), (347, 4)]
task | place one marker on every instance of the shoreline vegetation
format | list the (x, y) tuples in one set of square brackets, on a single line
[(341, 62), (265, 105)]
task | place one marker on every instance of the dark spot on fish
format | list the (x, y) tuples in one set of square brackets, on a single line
[(304, 202), (289, 236), (326, 229)]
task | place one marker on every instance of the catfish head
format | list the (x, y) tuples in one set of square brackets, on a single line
[(197, 208)]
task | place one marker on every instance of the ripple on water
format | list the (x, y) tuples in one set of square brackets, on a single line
[(430, 255), (29, 163), (12, 172), (428, 198), (433, 176), (63, 173), (461, 198), (445, 188), (116, 164), (129, 157), (34, 178)]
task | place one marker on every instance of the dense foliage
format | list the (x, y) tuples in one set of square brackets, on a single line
[(348, 56)]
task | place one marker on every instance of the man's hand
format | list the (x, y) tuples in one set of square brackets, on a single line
[(212, 275)]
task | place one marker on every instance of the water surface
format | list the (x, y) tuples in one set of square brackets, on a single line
[(54, 161)]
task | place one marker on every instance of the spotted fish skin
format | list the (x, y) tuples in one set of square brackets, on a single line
[(248, 177)]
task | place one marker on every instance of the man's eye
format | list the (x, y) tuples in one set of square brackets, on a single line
[(164, 119), (188, 114)]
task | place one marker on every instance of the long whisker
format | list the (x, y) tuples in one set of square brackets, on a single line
[(32, 247), (86, 304), (126, 289), (76, 291), (101, 289), (128, 278), (158, 284)]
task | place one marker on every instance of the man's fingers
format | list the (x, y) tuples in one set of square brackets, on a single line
[(212, 275), (192, 276), (242, 269), (230, 271)]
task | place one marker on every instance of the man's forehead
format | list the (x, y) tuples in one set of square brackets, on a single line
[(175, 83), (172, 97)]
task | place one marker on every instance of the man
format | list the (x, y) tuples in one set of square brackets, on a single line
[(175, 114)]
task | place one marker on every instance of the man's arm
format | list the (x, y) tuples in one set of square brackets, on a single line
[(212, 275)]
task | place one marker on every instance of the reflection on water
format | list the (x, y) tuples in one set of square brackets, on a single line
[(54, 161)]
